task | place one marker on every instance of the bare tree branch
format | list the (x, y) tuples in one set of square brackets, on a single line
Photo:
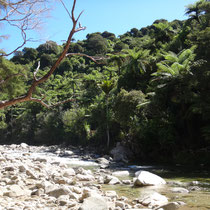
[(24, 15), (37, 69), (65, 8), (36, 82)]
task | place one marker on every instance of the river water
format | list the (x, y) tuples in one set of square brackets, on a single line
[(198, 197)]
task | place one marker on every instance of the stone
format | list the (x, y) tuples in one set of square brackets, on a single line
[(112, 180), (31, 174), (9, 168), (153, 200), (145, 178), (87, 192), (82, 171), (14, 191), (24, 145), (63, 200), (22, 168), (100, 180), (171, 206), (127, 182), (88, 177), (121, 153), (121, 173), (94, 203), (120, 204), (77, 190), (179, 190), (111, 194), (69, 172), (58, 191), (42, 160), (61, 180), (102, 161)]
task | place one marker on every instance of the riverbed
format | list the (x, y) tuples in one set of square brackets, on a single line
[(196, 182)]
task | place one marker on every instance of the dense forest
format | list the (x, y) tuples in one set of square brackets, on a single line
[(148, 89)]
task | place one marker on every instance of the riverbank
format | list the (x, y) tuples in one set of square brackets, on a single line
[(70, 178)]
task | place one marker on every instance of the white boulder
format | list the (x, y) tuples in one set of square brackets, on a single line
[(145, 178)]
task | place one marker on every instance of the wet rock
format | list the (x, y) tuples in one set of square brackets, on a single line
[(127, 182), (145, 178), (171, 206), (179, 190)]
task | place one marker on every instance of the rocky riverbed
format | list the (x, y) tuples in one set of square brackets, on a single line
[(52, 178)]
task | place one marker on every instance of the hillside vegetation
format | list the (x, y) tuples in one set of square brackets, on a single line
[(149, 89)]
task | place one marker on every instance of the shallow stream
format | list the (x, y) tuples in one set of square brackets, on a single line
[(197, 199)]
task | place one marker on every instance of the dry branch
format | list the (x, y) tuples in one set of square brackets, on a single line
[(36, 82), (24, 15)]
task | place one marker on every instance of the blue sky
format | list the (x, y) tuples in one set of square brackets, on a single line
[(116, 16)]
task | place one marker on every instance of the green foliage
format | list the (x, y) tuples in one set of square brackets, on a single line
[(96, 44), (46, 60), (75, 125), (12, 79), (107, 86), (175, 65), (49, 47), (126, 106)]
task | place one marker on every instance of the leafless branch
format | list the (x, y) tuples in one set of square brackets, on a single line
[(37, 69), (36, 82), (24, 15), (65, 8)]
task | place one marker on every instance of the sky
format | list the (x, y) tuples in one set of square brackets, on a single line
[(116, 16)]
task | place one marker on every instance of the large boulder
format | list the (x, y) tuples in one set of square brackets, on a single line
[(145, 178), (121, 153)]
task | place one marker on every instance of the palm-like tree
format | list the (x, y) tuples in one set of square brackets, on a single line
[(175, 64), (163, 31), (107, 86), (137, 60), (117, 59), (195, 10)]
